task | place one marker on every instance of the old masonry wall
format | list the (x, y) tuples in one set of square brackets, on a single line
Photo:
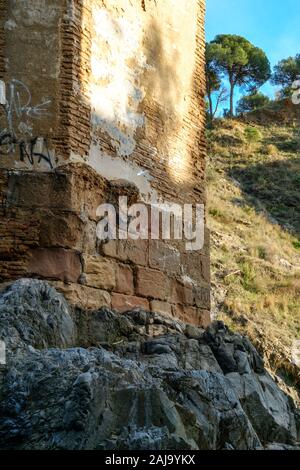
[(101, 98)]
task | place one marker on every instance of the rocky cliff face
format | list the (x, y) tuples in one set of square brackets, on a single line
[(76, 380)]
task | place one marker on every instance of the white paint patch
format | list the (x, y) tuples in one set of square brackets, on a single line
[(172, 248), (2, 353), (2, 93), (10, 25), (113, 168), (115, 87), (188, 280)]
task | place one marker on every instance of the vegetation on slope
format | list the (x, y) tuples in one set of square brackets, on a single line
[(254, 215)]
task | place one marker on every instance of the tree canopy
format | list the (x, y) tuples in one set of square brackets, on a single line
[(252, 102), (286, 73), (240, 61)]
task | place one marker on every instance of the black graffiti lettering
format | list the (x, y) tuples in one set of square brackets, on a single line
[(16, 106), (27, 149)]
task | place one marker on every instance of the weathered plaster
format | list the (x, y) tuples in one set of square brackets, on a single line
[(115, 84), (116, 168), (145, 87), (29, 82), (124, 80)]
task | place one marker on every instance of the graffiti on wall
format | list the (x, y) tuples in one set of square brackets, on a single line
[(16, 134)]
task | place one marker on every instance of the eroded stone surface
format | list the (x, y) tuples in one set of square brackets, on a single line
[(83, 380)]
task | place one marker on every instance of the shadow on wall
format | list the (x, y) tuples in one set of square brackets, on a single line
[(163, 81), (126, 73), (162, 90), (130, 77), (199, 141), (74, 107), (176, 125)]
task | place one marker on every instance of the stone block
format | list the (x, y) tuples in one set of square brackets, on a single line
[(196, 266), (204, 318), (84, 297), (55, 263), (151, 283), (134, 251), (124, 280), (181, 293), (67, 230), (122, 303), (39, 190), (205, 268), (195, 316), (164, 308), (202, 296), (99, 272), (164, 257), (186, 314), (73, 187)]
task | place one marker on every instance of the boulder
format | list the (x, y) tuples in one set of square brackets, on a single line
[(100, 380)]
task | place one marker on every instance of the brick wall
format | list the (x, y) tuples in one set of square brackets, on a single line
[(97, 92), (3, 9), (74, 131), (156, 50)]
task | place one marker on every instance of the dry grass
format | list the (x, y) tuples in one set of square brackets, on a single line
[(255, 255), (271, 150)]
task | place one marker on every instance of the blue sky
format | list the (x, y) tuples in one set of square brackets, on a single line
[(270, 24)]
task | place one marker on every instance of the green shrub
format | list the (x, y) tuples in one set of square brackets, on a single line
[(215, 212), (252, 102), (296, 244), (252, 135)]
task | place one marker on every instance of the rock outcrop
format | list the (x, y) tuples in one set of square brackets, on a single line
[(82, 380)]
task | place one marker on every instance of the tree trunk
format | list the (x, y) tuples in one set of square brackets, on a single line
[(210, 108), (231, 112)]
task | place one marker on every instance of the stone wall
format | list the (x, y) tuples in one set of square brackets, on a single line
[(100, 99), (48, 230)]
